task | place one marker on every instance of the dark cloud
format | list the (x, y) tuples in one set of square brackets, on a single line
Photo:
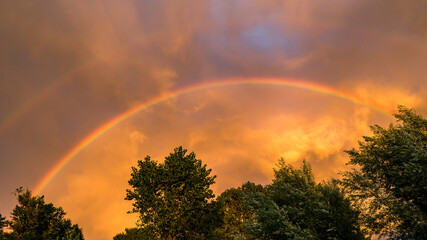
[(68, 67)]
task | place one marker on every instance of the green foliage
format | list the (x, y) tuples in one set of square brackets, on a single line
[(337, 215), (390, 185), (32, 218), (235, 212), (174, 199), (270, 221), (3, 223), (295, 207), (135, 234)]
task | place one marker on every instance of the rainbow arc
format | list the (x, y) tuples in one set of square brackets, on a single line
[(282, 82)]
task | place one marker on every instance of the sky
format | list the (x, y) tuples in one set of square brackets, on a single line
[(305, 79)]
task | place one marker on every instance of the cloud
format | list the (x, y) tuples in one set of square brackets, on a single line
[(76, 65), (238, 144)]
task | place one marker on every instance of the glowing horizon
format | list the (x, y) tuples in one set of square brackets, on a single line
[(282, 82)]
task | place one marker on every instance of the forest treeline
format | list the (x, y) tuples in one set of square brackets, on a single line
[(384, 195)]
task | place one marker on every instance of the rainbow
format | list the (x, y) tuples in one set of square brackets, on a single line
[(38, 98), (187, 90)]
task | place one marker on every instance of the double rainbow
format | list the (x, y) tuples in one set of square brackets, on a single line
[(283, 82), (37, 99)]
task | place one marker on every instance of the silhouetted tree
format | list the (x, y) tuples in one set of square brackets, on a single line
[(174, 199), (295, 207), (389, 185), (3, 223), (135, 234), (235, 212), (32, 218)]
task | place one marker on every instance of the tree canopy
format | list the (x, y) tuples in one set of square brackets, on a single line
[(32, 218), (174, 201), (389, 184), (3, 224), (294, 206), (173, 198), (235, 211)]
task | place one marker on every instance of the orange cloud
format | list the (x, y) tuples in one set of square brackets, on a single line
[(142, 49)]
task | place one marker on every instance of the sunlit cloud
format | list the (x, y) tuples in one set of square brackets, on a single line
[(69, 67)]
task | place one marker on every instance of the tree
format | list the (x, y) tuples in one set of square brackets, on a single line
[(3, 223), (337, 216), (294, 206), (235, 212), (174, 199), (270, 221), (134, 234), (32, 218), (389, 185)]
